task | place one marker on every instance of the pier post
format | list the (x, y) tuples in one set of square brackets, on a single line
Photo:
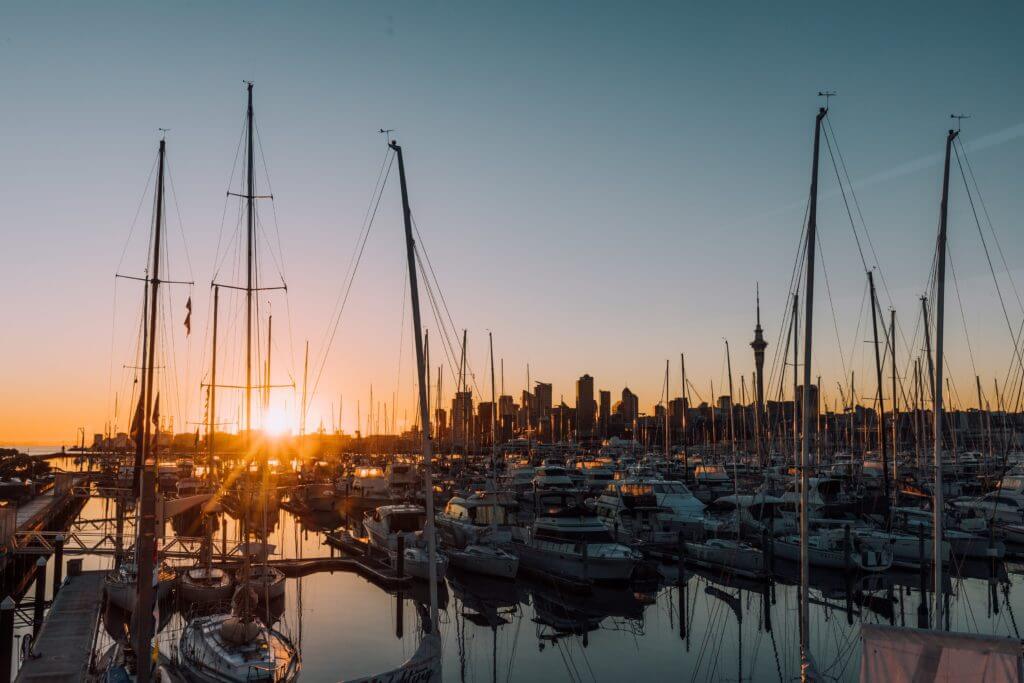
[(399, 613), (922, 608), (58, 563), (681, 559), (37, 616), (400, 559), (6, 636)]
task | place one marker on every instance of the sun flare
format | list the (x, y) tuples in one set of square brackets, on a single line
[(276, 422)]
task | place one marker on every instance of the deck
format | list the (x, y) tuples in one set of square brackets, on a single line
[(64, 648)]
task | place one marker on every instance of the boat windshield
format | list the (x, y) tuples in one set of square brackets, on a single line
[(671, 487), (369, 472), (406, 521), (596, 534)]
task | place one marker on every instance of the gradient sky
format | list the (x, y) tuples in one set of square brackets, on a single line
[(599, 184)]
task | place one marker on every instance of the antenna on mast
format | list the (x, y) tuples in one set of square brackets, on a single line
[(827, 94), (959, 118), (386, 132)]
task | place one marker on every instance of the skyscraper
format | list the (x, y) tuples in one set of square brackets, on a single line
[(585, 406), (605, 412)]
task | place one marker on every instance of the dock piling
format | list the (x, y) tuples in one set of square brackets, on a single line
[(40, 604), (6, 636), (58, 563)]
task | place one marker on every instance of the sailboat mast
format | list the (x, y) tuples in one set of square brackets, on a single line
[(895, 395), (940, 301), (796, 360), (881, 401), (250, 222), (732, 420), (428, 526), (305, 381), (805, 448), (494, 426), (668, 440), (213, 381), (145, 556)]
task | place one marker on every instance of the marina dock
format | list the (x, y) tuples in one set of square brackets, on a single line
[(62, 652)]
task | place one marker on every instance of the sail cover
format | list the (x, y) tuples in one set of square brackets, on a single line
[(895, 655), (423, 667)]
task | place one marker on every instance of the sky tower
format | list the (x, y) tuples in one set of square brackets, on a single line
[(759, 345)]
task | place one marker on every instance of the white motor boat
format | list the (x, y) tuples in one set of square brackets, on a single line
[(416, 561), (731, 555), (479, 517), (386, 523), (488, 560), (827, 548), (572, 542)]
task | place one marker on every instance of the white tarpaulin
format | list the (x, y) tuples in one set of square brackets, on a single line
[(896, 655)]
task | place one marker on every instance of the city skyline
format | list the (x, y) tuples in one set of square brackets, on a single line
[(599, 209)]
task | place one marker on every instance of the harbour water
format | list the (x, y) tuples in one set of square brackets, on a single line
[(710, 628)]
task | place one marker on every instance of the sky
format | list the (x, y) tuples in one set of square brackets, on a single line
[(601, 185)]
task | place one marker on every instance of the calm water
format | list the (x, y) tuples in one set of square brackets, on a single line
[(523, 631)]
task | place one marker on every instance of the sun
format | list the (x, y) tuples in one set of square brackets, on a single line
[(276, 422)]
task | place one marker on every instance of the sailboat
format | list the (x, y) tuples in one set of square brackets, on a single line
[(486, 556), (122, 586), (238, 646), (896, 653), (425, 664)]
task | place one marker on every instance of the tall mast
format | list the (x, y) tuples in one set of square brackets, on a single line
[(806, 669), (732, 421), (146, 552), (796, 383), (428, 481), (881, 401), (667, 439), (494, 427), (266, 380), (213, 380), (940, 301), (895, 396), (686, 409), (250, 232), (305, 380)]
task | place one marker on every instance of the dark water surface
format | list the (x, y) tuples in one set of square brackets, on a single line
[(709, 629)]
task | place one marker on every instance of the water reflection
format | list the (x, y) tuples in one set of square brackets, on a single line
[(705, 627)]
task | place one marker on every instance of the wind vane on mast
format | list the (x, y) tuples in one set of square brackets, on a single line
[(959, 118), (827, 94)]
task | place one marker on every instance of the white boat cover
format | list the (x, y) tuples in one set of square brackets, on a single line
[(423, 667), (895, 655)]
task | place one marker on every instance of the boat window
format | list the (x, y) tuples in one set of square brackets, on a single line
[(406, 522), (487, 514), (591, 535)]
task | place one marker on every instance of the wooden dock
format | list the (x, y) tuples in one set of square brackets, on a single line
[(64, 648)]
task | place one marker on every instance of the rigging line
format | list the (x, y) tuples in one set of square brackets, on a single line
[(436, 287), (227, 197), (991, 268), (828, 290), (422, 246), (138, 210), (963, 316), (988, 219), (846, 202), (401, 345), (355, 267), (371, 208), (856, 204), (177, 211)]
